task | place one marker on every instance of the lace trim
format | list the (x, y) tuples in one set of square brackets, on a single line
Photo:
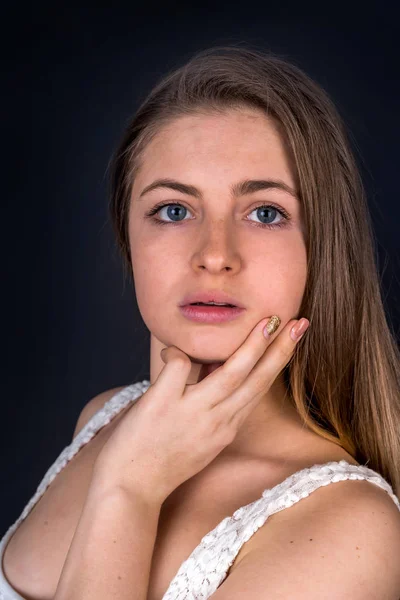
[(206, 568)]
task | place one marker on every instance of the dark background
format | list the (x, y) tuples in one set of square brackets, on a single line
[(73, 76)]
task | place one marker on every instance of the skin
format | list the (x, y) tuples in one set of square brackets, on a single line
[(218, 245)]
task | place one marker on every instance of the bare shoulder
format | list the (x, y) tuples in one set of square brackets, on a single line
[(93, 406), (342, 541)]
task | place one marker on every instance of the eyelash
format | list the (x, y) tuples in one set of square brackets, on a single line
[(283, 223)]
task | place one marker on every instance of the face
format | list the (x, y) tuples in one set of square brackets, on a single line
[(216, 240)]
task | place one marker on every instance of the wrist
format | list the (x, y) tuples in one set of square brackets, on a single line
[(107, 483)]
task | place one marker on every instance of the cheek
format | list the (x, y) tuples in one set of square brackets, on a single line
[(158, 284), (151, 282), (280, 278)]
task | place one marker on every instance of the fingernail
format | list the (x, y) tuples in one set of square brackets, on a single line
[(271, 326), (299, 329)]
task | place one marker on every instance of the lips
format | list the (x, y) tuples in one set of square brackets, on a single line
[(215, 304), (207, 296), (211, 314)]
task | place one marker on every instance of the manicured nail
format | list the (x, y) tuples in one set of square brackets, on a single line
[(299, 329), (271, 326)]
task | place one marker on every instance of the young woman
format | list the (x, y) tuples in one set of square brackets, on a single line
[(233, 184)]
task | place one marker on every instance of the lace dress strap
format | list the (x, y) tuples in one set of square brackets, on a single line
[(101, 418), (207, 567)]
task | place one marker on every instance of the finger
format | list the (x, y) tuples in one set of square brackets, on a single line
[(220, 384), (241, 403), (174, 374)]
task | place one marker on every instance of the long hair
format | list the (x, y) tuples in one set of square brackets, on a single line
[(344, 377)]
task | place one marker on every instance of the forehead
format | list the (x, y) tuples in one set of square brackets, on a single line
[(217, 144)]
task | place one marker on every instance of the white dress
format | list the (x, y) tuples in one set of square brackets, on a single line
[(205, 569)]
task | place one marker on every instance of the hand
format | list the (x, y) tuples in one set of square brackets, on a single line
[(175, 430)]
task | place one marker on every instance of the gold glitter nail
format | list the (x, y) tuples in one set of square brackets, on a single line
[(272, 324)]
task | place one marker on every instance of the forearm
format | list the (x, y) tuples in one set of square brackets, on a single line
[(111, 551)]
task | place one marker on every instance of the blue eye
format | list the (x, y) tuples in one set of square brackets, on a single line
[(268, 209), (176, 213)]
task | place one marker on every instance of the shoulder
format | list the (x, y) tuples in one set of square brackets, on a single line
[(94, 405), (342, 541)]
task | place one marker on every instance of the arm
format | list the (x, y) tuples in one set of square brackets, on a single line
[(111, 551)]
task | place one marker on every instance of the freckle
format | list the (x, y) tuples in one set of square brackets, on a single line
[(115, 541), (323, 556), (357, 548), (358, 556), (310, 539), (119, 577), (46, 522), (291, 542)]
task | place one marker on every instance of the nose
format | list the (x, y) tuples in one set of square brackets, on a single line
[(217, 250)]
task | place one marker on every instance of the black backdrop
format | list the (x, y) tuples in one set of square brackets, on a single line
[(73, 76)]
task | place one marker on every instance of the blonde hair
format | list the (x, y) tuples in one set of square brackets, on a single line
[(344, 377)]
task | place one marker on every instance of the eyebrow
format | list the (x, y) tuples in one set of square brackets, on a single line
[(247, 186)]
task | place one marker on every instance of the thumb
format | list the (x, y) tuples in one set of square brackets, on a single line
[(176, 371)]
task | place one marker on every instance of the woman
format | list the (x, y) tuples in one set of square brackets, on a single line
[(235, 184)]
